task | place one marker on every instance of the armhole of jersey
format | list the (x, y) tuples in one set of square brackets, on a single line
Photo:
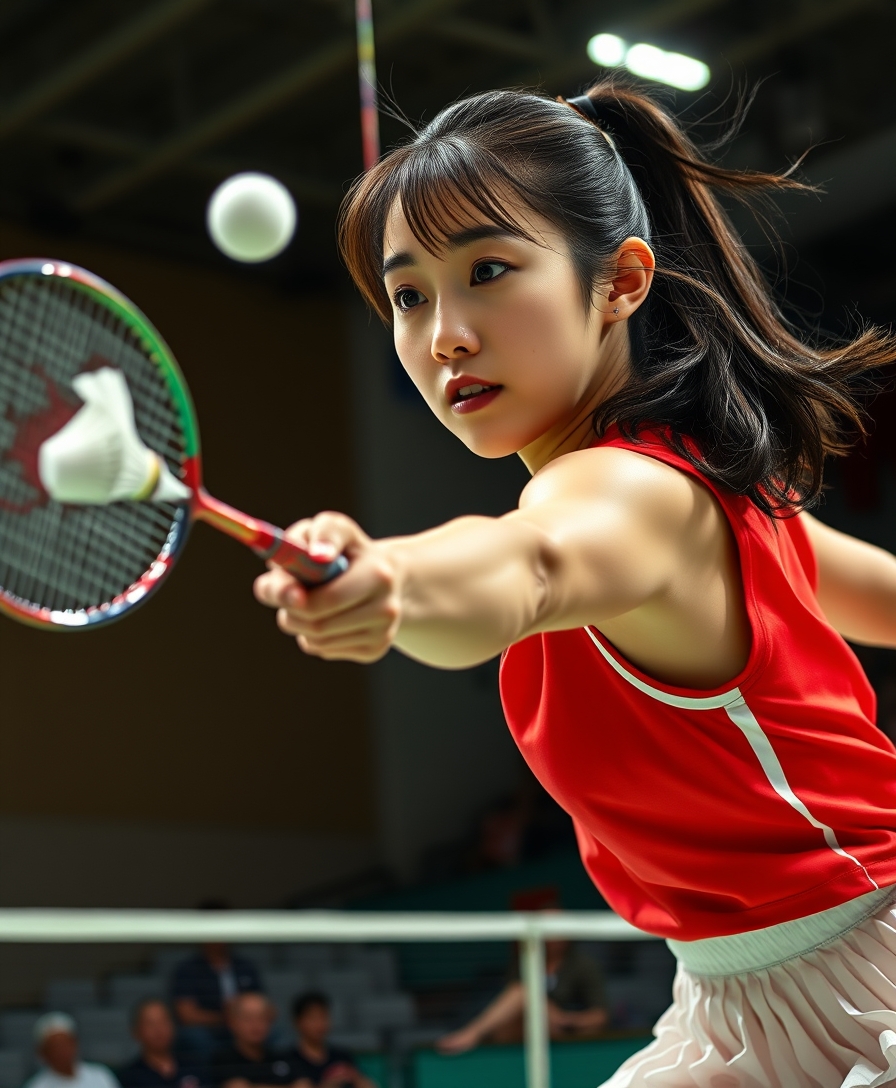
[(802, 544), (654, 446)]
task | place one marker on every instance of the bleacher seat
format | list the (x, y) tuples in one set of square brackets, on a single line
[(166, 959), (263, 956), (68, 994), (385, 1012), (104, 1035), (283, 987), (349, 983), (109, 1053), (415, 1038), (103, 1023), (381, 964), (17, 1029), (126, 991), (13, 1068), (357, 1039), (308, 957)]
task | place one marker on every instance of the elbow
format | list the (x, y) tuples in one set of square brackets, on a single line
[(545, 578)]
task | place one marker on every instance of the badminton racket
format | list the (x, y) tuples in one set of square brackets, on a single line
[(100, 468)]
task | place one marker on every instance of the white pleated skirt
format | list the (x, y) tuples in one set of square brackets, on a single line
[(806, 1004)]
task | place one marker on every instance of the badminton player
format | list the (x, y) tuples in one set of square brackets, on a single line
[(564, 285)]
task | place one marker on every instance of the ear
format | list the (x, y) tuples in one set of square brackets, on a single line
[(635, 263)]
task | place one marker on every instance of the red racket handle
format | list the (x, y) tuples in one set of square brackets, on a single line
[(266, 540), (309, 571)]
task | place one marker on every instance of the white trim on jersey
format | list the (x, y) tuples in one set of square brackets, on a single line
[(736, 708)]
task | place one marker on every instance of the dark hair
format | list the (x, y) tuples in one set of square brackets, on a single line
[(712, 357), (142, 1005), (312, 999)]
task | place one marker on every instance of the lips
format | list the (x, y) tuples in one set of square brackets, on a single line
[(468, 387)]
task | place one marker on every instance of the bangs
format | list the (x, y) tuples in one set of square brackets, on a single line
[(446, 186), (443, 187)]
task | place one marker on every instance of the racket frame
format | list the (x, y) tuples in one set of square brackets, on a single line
[(265, 539)]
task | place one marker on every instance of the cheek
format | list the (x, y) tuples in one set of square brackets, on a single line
[(417, 363)]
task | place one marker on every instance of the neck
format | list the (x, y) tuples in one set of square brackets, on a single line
[(64, 1070), (255, 1051), (159, 1059), (313, 1050), (576, 431)]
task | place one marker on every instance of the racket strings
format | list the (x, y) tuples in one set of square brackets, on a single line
[(70, 558)]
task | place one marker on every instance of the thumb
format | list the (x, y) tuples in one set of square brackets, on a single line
[(330, 535)]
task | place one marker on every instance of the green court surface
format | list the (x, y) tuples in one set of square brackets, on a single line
[(375, 1067), (573, 1065)]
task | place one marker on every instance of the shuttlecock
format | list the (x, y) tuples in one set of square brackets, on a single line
[(98, 457)]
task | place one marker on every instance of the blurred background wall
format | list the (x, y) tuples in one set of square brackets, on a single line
[(192, 751)]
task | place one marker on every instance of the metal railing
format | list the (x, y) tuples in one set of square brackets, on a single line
[(172, 926)]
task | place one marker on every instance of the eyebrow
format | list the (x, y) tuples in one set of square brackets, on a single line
[(454, 241)]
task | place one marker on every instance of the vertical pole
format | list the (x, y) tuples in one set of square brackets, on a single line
[(370, 128), (538, 1069)]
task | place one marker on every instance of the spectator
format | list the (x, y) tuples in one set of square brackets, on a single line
[(248, 1060), (57, 1045), (313, 1060), (576, 1004), (203, 986), (157, 1066)]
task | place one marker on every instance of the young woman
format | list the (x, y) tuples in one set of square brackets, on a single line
[(564, 285)]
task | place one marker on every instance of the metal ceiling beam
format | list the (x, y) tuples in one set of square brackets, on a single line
[(811, 18), (491, 38), (94, 62), (300, 78), (307, 190)]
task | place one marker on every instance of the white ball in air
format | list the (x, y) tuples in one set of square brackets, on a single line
[(251, 217)]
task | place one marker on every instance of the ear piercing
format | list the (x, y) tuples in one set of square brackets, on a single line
[(615, 309)]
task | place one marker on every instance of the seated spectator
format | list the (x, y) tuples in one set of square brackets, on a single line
[(575, 1000), (203, 985), (313, 1060), (57, 1046), (157, 1066), (248, 1059)]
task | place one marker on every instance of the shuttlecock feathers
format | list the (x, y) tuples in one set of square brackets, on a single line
[(98, 456)]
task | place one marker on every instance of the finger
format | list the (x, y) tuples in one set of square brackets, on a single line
[(361, 653), (331, 534), (278, 589), (375, 613)]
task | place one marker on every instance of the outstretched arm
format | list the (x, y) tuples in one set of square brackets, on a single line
[(856, 585), (597, 534)]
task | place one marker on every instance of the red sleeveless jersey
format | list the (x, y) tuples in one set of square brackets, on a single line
[(706, 813)]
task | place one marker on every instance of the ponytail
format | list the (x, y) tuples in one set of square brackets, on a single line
[(713, 360)]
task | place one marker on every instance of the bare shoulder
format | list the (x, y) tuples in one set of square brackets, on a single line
[(634, 483)]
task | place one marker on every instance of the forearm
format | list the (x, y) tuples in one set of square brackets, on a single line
[(469, 588), (856, 585), (865, 610)]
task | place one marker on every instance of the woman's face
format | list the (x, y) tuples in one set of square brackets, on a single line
[(494, 334)]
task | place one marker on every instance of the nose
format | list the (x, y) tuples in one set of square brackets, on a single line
[(452, 336)]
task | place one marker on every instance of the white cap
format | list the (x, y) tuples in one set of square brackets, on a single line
[(52, 1022)]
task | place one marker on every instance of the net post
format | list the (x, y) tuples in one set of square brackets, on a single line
[(538, 1069)]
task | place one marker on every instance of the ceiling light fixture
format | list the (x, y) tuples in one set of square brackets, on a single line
[(649, 62)]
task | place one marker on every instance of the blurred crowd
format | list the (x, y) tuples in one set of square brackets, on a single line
[(219, 1029), (215, 1033)]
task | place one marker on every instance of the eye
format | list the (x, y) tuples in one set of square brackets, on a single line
[(488, 270), (406, 298)]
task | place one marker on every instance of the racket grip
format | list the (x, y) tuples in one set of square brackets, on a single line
[(300, 564)]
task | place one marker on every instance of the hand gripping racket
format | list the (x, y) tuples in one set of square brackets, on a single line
[(100, 472)]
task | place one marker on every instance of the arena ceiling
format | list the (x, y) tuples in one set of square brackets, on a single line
[(119, 117)]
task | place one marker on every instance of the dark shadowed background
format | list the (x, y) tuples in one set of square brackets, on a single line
[(192, 751)]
